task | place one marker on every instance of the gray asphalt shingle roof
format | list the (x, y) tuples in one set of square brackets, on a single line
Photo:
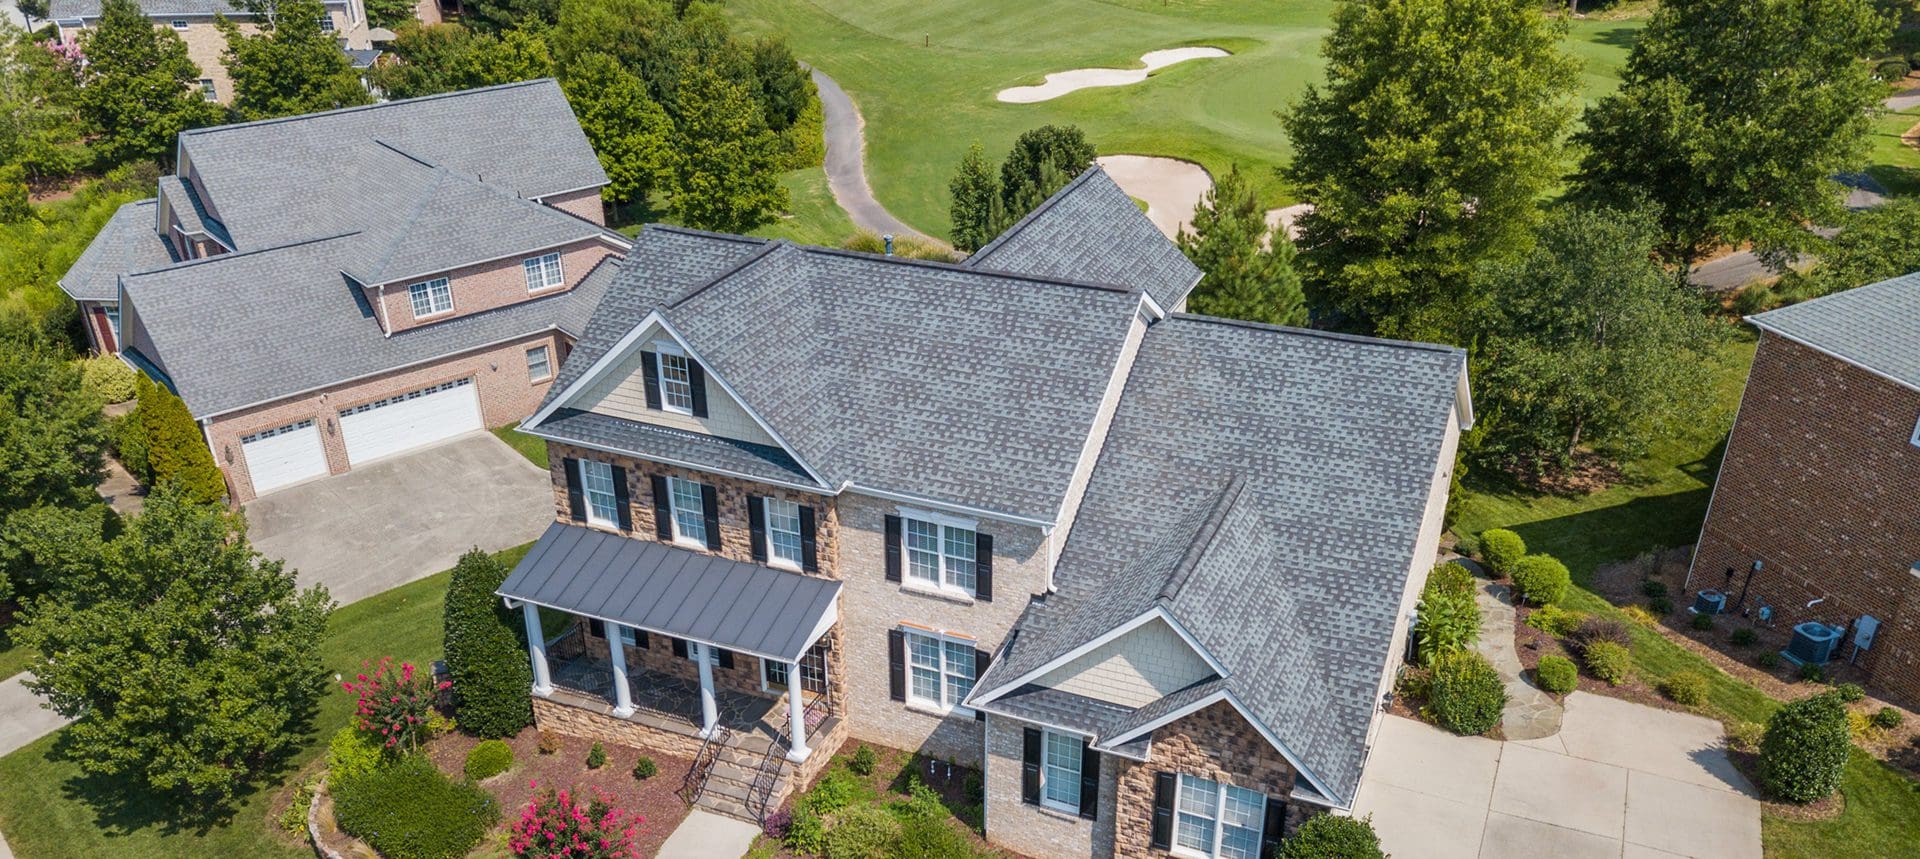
[(1092, 231), (673, 591), (188, 208), (127, 243), (760, 461), (1873, 326), (1290, 470)]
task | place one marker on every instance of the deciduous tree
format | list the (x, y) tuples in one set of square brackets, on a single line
[(631, 134), (40, 127), (138, 88), (1872, 245), (52, 442), (1249, 267), (291, 66), (724, 169), (1424, 153)]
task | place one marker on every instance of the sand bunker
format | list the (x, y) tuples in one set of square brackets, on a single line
[(1173, 187), (1061, 83)]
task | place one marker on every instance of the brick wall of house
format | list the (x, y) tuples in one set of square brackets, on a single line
[(1214, 743), (1821, 483), (871, 606), (505, 391), (99, 328), (584, 203), (487, 285), (1036, 830)]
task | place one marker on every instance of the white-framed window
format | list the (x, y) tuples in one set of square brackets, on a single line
[(783, 532), (543, 272), (1913, 439), (596, 483), (1060, 771), (676, 383), (431, 297), (940, 554), (539, 364), (939, 668), (326, 23), (113, 322), (695, 650), (207, 91), (178, 23), (689, 505), (1217, 820), (773, 675)]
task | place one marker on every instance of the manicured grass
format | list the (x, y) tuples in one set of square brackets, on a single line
[(813, 218), (48, 808), (1881, 820), (533, 448), (1890, 160), (924, 74), (13, 658)]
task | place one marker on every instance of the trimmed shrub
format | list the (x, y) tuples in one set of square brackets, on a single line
[(353, 752), (1500, 548), (645, 768), (486, 650), (1326, 836), (1540, 579), (411, 811), (806, 835), (1702, 621), (1608, 661), (1466, 696), (176, 448), (863, 761), (1653, 588), (1660, 606), (489, 759), (862, 832), (1685, 688), (1813, 673), (108, 378), (1556, 621), (1887, 718), (1805, 749), (1557, 674), (1597, 629), (596, 757), (1767, 659), (1849, 693), (1744, 637), (1891, 69)]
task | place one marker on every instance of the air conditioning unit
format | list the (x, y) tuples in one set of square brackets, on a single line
[(1709, 602), (1813, 643)]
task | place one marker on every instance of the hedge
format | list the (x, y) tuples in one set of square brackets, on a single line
[(486, 651), (411, 811), (1540, 579), (1805, 749), (1466, 695)]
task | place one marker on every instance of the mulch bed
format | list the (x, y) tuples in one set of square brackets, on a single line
[(653, 800), (889, 783)]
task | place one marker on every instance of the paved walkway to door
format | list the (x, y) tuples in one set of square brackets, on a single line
[(404, 518), (1618, 780)]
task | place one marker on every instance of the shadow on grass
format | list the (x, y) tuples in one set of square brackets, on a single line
[(1617, 37)]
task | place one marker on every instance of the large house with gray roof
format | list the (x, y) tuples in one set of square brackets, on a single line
[(1150, 573), (330, 289)]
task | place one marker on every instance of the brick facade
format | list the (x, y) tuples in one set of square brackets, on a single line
[(584, 203), (1037, 830), (486, 286), (1821, 483)]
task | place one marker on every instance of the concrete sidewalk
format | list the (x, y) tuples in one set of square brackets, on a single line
[(22, 719), (705, 835)]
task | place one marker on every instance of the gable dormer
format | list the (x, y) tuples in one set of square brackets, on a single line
[(1136, 668), (661, 382)]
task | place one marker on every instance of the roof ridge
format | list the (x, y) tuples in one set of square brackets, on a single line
[(213, 129), (1224, 500), (964, 269), (217, 258), (690, 231), (1046, 204), (1315, 332), (736, 268)]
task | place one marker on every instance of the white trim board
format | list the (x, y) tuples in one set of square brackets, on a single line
[(1208, 701)]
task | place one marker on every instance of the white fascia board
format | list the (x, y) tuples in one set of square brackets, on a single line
[(1463, 400), (691, 466), (669, 633), (1208, 701)]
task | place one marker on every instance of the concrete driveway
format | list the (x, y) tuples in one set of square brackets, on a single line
[(1618, 780), (405, 518)]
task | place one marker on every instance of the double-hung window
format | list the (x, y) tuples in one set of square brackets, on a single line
[(940, 668), (596, 483), (783, 532), (940, 555), (1060, 771), (326, 23), (689, 510), (676, 383), (430, 297), (539, 364), (207, 92), (543, 272), (1217, 820)]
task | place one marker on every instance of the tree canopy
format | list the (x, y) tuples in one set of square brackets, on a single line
[(52, 442), (1043, 160), (291, 66), (40, 127), (725, 163), (1872, 245), (976, 211), (138, 87), (1249, 267), (632, 135), (1424, 153)]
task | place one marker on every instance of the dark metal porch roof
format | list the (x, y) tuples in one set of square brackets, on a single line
[(673, 591)]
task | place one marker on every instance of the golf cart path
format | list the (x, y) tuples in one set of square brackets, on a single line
[(846, 163)]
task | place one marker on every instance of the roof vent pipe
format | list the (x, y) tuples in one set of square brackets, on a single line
[(888, 238)]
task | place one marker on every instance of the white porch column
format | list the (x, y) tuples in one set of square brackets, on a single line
[(797, 751), (617, 652), (709, 708), (537, 650)]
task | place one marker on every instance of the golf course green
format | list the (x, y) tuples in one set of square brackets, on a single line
[(924, 74)]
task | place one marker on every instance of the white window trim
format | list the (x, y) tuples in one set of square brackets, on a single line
[(586, 495), (695, 649), (766, 515), (546, 357), (941, 523), (1047, 736), (673, 513), (942, 637), (661, 351), (208, 91), (1219, 819), (1915, 438), (539, 262), (428, 284), (628, 635)]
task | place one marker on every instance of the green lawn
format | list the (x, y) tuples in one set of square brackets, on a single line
[(13, 659), (533, 448), (1889, 159), (924, 73), (47, 807), (813, 218)]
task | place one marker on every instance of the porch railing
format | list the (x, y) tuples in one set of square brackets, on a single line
[(767, 775), (695, 781)]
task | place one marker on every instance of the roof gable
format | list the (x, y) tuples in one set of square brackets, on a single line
[(1872, 327)]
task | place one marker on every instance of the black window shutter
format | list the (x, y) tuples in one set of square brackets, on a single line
[(981, 659), (1275, 830), (896, 665), (576, 495), (598, 629), (710, 510), (983, 567), (680, 647), (640, 639), (1089, 782), (726, 657), (757, 526), (1164, 786), (621, 499), (662, 510), (697, 380), (650, 368), (1030, 766), (893, 548), (809, 550)]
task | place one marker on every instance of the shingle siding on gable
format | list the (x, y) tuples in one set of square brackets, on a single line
[(1135, 669), (622, 394)]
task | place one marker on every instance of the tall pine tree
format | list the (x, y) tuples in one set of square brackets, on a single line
[(976, 210), (1249, 267)]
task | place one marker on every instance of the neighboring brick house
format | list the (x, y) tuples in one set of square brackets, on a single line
[(329, 289), (1152, 573), (193, 22), (1820, 484)]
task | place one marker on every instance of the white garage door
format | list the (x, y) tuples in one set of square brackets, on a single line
[(283, 455), (401, 423)]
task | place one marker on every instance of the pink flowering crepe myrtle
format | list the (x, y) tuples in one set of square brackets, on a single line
[(393, 707), (560, 824)]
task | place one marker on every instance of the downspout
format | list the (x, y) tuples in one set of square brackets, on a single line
[(380, 308)]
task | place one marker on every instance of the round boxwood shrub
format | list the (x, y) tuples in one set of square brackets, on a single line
[(1500, 548), (1608, 661), (411, 811), (1685, 688), (1540, 579), (489, 759), (353, 752), (1325, 836), (1466, 695), (1744, 637), (1702, 621), (1805, 748), (486, 651), (863, 832), (1557, 674)]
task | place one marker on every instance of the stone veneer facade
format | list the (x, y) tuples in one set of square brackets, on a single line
[(1821, 482)]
